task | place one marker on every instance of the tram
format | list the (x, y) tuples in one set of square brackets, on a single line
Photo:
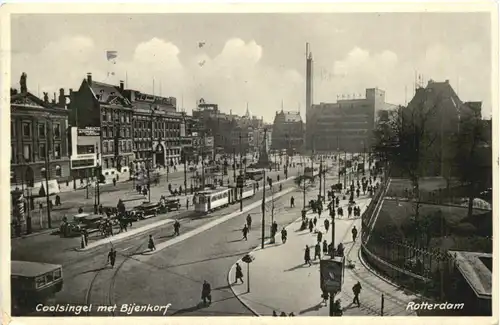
[(210, 200), (33, 282)]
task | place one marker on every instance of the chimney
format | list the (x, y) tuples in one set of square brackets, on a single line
[(89, 78), (62, 98), (122, 86)]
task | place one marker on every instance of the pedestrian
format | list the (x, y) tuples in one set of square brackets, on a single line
[(177, 227), (239, 274), (340, 249), (356, 289), (275, 314), (307, 256), (349, 211), (292, 202), (112, 257), (357, 192), (151, 243), (206, 293), (327, 225), (354, 233), (317, 251), (325, 247), (311, 225), (319, 236), (303, 213), (315, 221), (114, 181), (249, 222), (86, 237), (291, 314), (245, 232), (282, 314), (283, 235), (80, 209)]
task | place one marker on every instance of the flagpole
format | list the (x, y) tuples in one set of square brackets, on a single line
[(153, 86), (126, 79)]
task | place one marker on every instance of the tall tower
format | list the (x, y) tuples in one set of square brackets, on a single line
[(309, 97)]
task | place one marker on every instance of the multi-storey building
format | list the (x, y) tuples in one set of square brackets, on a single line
[(348, 124), (97, 104), (158, 129), (288, 131), (39, 142)]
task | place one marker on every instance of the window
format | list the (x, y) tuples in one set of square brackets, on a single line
[(12, 129), (122, 117), (12, 177), (41, 150), (26, 129), (57, 150), (12, 153), (105, 147), (110, 132), (109, 117), (43, 173), (40, 281), (103, 113), (127, 118), (56, 127), (58, 171), (85, 149), (57, 274), (27, 152), (111, 146)]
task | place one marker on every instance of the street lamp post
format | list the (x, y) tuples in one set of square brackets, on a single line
[(263, 206), (332, 296), (98, 176), (47, 175)]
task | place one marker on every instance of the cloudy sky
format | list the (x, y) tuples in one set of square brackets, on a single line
[(257, 59)]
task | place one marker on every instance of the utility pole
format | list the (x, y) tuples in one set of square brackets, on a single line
[(96, 191), (332, 296), (234, 164), (320, 175), (263, 200), (203, 162), (345, 169), (47, 175), (150, 164), (241, 175), (183, 151)]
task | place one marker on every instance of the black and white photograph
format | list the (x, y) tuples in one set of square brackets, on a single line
[(239, 162)]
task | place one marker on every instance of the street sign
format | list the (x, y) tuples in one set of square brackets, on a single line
[(331, 274)]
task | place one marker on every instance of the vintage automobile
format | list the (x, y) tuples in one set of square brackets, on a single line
[(173, 204), (147, 210), (71, 228)]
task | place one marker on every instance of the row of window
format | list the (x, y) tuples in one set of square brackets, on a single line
[(41, 129), (109, 116), (28, 155), (157, 125), (124, 146), (157, 134), (109, 131)]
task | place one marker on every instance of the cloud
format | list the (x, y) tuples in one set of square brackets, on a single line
[(360, 69), (238, 75), (231, 78)]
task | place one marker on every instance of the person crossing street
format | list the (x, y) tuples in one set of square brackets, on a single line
[(284, 235), (249, 222), (245, 232), (112, 257), (354, 233), (356, 289), (239, 273), (177, 227)]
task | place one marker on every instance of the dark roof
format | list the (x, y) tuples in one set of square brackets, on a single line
[(288, 117), (107, 93)]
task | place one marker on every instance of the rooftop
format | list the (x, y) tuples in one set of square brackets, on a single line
[(476, 268)]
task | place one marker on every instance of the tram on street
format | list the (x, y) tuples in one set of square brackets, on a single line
[(210, 200), (254, 174), (33, 282)]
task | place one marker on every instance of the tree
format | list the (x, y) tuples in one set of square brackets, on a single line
[(404, 140), (473, 156)]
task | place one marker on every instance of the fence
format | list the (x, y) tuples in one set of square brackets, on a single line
[(408, 264)]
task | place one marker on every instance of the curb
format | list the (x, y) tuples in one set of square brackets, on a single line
[(239, 261), (139, 231), (38, 233)]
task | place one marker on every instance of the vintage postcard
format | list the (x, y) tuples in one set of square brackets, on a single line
[(249, 160)]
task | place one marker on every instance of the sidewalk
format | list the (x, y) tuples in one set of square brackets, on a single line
[(279, 280)]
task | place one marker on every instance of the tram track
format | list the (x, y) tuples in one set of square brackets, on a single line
[(108, 296)]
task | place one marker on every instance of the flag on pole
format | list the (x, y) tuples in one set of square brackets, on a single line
[(201, 44), (111, 56)]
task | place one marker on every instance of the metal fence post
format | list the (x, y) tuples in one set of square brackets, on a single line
[(382, 305)]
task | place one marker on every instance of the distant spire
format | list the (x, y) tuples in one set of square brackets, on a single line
[(247, 114)]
